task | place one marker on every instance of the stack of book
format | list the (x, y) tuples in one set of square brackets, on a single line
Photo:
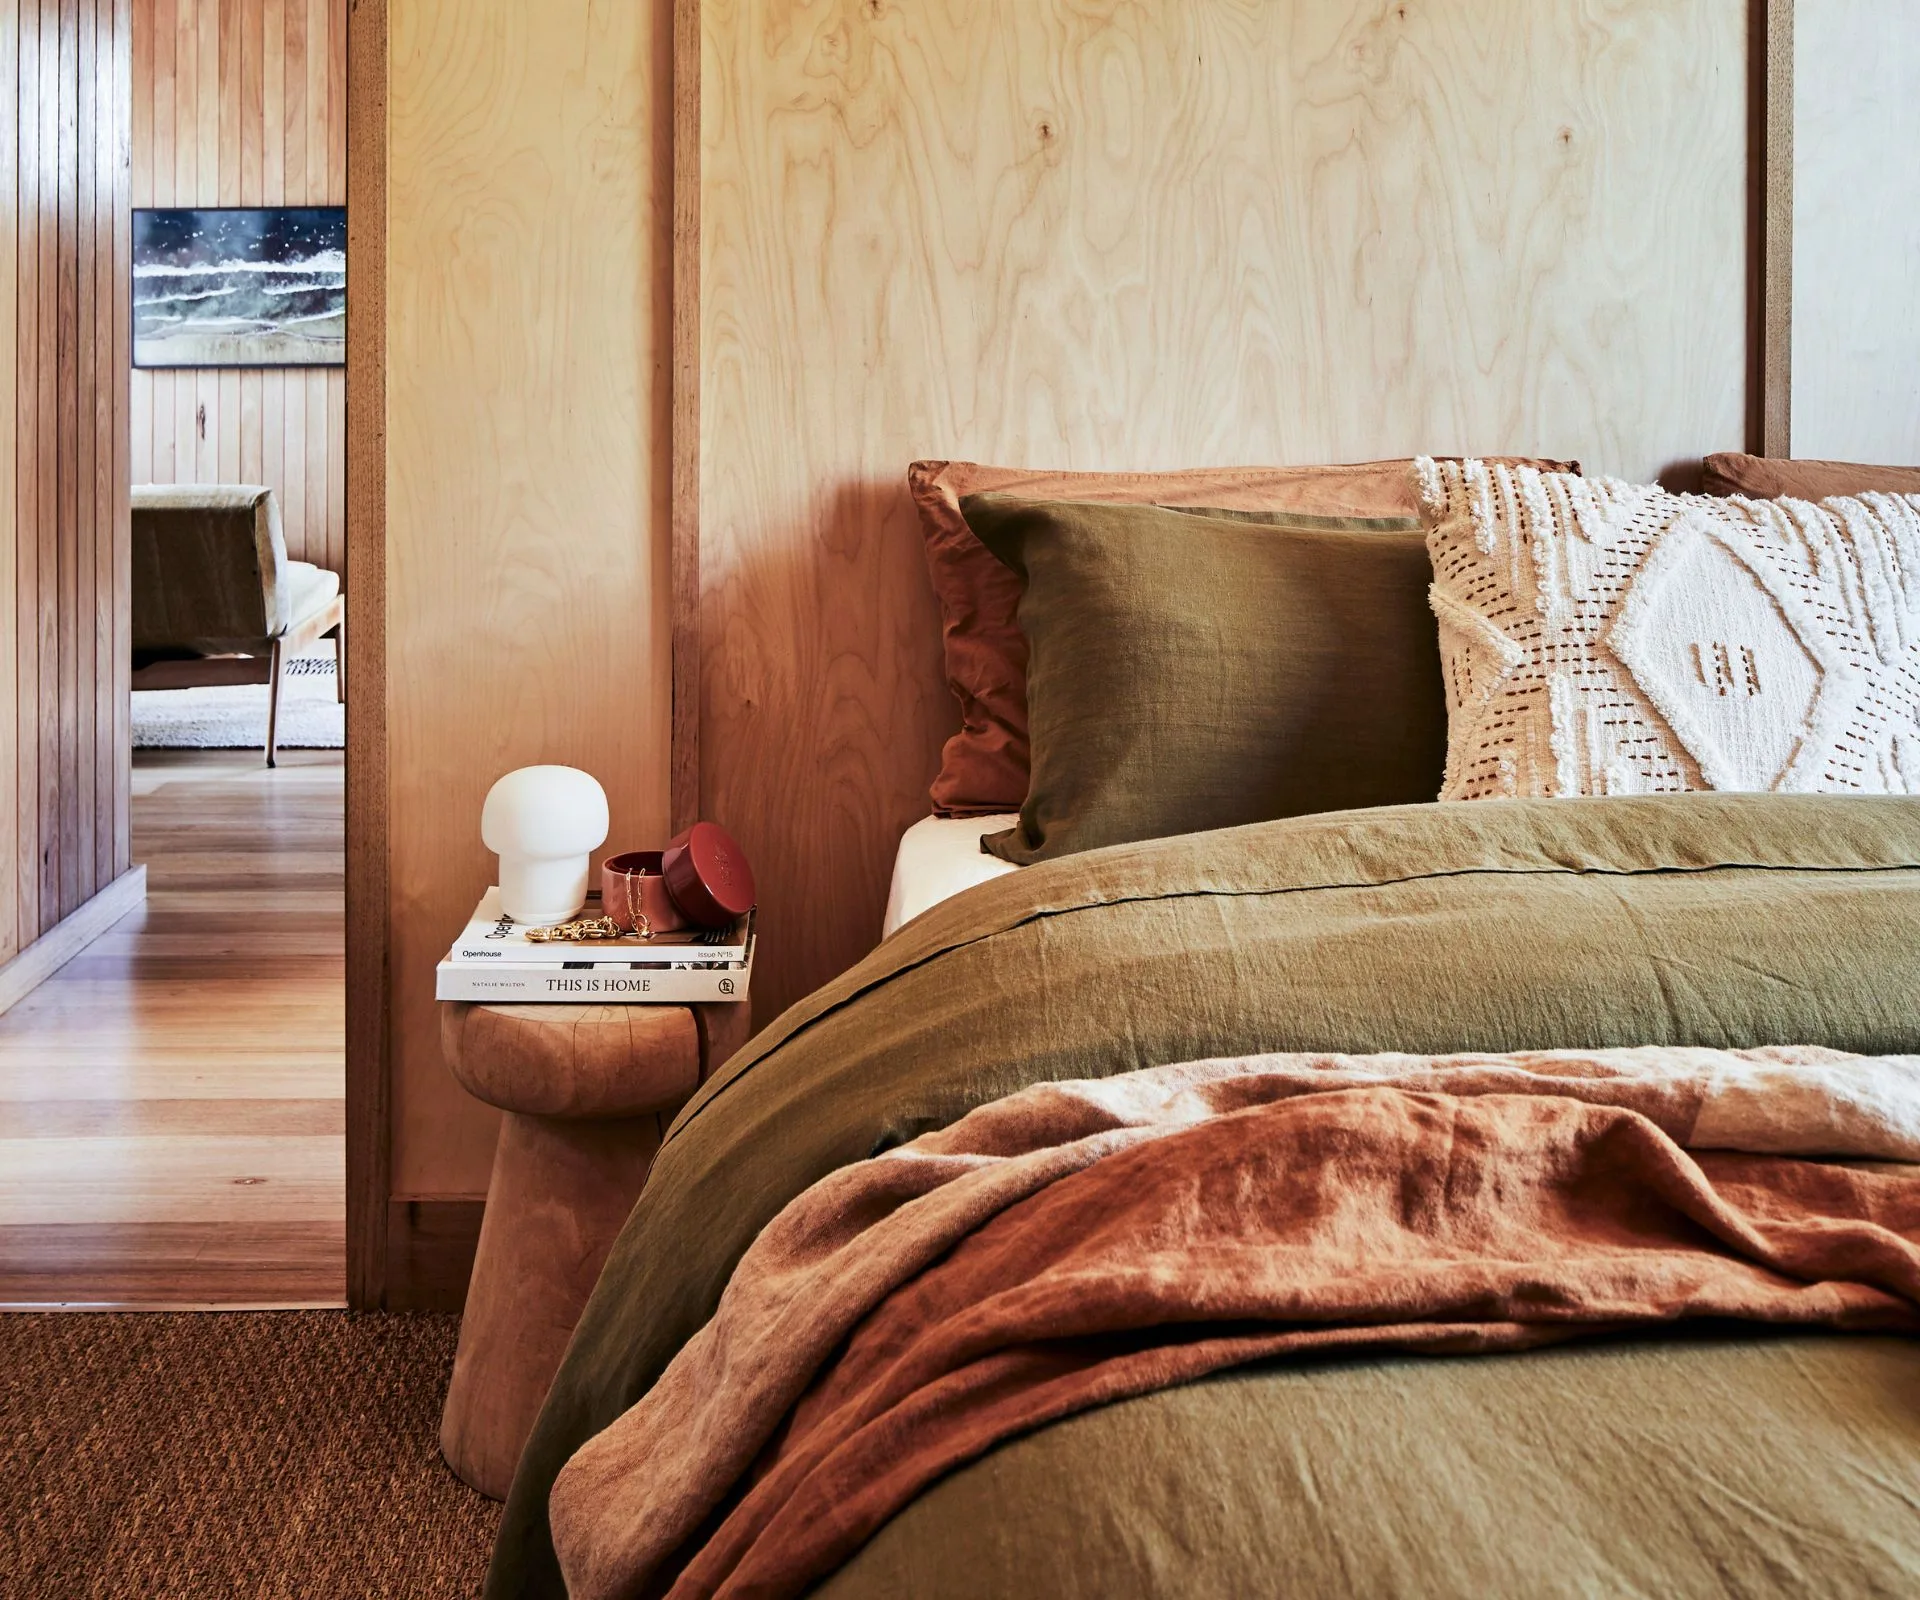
[(493, 959)]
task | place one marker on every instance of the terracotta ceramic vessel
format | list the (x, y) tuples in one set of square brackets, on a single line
[(708, 876), (701, 880), (633, 881)]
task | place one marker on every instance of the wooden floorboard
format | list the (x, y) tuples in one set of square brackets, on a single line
[(156, 1264), (171, 1101)]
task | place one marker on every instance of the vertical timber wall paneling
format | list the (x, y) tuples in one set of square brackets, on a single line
[(528, 247), (1043, 233), (64, 739), (1856, 244), (243, 103)]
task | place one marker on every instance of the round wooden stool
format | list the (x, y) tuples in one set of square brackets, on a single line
[(588, 1093)]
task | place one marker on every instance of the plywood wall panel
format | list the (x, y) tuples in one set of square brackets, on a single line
[(65, 111), (1140, 236), (1856, 250), (528, 228), (242, 102)]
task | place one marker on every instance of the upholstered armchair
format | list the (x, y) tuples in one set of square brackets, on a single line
[(215, 599)]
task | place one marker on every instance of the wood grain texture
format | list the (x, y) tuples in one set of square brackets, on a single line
[(174, 1177), (171, 1265), (59, 445), (182, 1078), (25, 819), (12, 734), (63, 425), (684, 469), (244, 103), (364, 473), (1856, 231), (528, 238), (1150, 236)]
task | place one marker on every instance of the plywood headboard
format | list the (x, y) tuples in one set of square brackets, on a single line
[(1038, 232)]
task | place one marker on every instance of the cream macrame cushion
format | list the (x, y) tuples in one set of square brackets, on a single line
[(1605, 638)]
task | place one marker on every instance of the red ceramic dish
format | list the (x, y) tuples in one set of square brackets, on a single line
[(708, 876)]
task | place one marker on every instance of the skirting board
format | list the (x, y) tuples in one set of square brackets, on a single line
[(431, 1242), (68, 937)]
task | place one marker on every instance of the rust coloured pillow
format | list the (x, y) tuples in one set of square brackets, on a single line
[(984, 767), (1769, 478)]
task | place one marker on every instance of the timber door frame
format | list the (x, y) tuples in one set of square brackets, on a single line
[(369, 1091)]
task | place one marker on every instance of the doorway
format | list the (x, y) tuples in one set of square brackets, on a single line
[(175, 1095)]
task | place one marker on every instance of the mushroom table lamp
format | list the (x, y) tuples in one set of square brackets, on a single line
[(544, 823)]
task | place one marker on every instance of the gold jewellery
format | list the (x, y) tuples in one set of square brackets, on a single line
[(642, 923), (576, 932), (585, 929)]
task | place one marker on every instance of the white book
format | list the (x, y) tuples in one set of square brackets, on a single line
[(592, 982), (494, 939)]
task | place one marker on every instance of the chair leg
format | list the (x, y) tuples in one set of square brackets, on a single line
[(340, 661), (273, 701)]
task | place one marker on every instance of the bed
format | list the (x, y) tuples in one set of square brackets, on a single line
[(1715, 1447), (1688, 1465)]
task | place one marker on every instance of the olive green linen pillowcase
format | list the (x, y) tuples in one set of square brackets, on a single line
[(1201, 669)]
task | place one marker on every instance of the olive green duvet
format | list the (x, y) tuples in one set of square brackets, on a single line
[(1734, 1461)]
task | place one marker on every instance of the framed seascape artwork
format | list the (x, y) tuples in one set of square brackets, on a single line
[(262, 287)]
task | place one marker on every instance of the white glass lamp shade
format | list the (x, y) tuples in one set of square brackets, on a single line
[(544, 823)]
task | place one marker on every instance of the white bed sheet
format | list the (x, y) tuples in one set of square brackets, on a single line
[(938, 857)]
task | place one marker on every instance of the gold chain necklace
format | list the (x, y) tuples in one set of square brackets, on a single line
[(584, 929)]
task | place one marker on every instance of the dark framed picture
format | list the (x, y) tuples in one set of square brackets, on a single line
[(231, 287)]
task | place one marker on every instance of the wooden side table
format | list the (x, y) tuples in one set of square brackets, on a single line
[(588, 1093)]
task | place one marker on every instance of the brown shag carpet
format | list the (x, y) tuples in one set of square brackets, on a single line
[(278, 1453)]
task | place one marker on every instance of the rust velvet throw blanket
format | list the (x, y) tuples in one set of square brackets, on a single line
[(1079, 1243)]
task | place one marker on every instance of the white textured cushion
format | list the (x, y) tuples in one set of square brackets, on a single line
[(310, 588), (1604, 638)]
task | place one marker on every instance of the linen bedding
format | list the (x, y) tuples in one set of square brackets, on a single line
[(1078, 1244), (1740, 1463)]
